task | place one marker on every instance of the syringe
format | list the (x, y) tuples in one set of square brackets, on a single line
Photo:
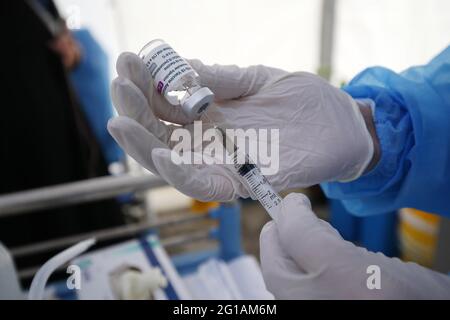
[(256, 183), (177, 81)]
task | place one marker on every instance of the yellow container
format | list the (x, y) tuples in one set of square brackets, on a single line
[(418, 234), (202, 207)]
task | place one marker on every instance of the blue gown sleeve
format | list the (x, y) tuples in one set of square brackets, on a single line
[(412, 121), (90, 80)]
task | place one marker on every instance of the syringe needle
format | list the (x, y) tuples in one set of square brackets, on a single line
[(229, 145), (205, 115), (256, 183)]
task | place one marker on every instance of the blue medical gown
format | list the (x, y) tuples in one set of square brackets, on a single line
[(412, 120), (90, 80)]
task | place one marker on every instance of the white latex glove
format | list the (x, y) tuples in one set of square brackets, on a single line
[(303, 257), (323, 136)]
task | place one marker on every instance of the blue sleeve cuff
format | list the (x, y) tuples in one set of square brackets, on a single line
[(394, 130), (412, 123)]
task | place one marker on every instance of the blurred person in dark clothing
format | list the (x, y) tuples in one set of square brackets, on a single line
[(45, 138)]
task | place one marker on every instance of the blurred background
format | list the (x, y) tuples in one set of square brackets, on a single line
[(68, 180), (286, 34)]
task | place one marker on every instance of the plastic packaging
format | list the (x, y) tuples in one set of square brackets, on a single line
[(40, 279)]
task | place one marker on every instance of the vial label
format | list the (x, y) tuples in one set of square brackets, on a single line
[(166, 68)]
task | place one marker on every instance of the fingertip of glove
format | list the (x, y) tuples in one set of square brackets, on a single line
[(161, 153), (195, 63), (267, 229), (126, 56), (118, 84), (123, 88), (126, 62), (202, 69), (120, 81), (169, 166), (294, 214), (122, 123), (114, 129), (268, 240), (123, 59), (298, 199), (112, 124)]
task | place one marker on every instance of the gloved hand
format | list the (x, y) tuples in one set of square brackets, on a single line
[(140, 131), (303, 257), (322, 134)]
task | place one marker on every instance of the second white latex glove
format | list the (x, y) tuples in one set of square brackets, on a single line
[(140, 131), (303, 257)]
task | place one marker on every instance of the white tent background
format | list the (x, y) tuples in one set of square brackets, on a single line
[(283, 34)]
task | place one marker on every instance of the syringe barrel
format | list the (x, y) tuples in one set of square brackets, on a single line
[(261, 188), (256, 182)]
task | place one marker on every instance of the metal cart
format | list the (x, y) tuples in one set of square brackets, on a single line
[(226, 233)]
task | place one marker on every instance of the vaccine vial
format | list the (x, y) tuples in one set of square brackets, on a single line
[(175, 79)]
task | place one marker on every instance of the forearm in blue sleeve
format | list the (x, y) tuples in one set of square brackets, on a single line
[(412, 121)]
